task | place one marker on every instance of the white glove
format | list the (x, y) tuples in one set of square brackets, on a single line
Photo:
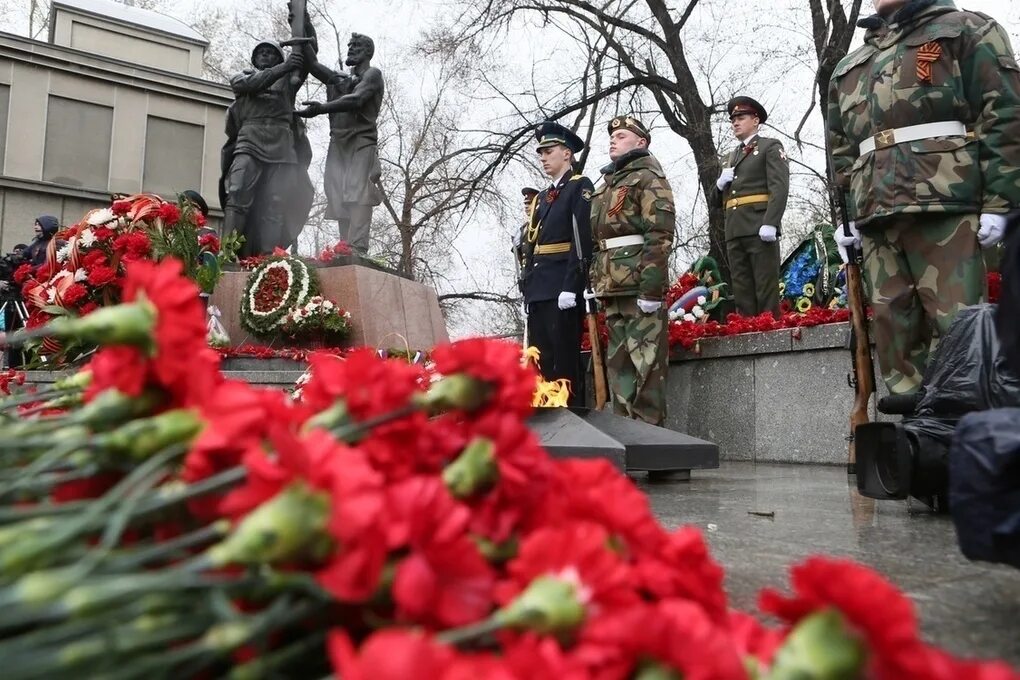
[(649, 306), (724, 179), (992, 229), (567, 300), (589, 294), (843, 241), (767, 233)]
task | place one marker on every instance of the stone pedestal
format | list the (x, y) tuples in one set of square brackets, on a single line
[(387, 311)]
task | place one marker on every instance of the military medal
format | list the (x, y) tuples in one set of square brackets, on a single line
[(551, 196)]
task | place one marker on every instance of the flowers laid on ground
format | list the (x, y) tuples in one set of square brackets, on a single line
[(401, 520), (319, 318), (275, 288)]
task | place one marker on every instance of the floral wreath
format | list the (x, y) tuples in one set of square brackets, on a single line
[(277, 286)]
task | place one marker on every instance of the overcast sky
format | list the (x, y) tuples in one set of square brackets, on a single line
[(765, 53)]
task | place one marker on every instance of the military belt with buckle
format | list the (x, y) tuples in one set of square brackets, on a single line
[(913, 133), (619, 242), (552, 248), (746, 200)]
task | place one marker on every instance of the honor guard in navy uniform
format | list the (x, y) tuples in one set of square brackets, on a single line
[(518, 249), (753, 188), (557, 244)]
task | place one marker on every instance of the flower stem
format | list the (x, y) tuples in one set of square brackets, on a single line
[(472, 632)]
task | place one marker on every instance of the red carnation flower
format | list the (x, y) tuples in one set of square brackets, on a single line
[(872, 606), (390, 654), (682, 567), (133, 245), (368, 384), (200, 220), (581, 488), (444, 581), (580, 552), (87, 308), (101, 275), (74, 294), (103, 233), (22, 273), (121, 207), (342, 248), (209, 242), (676, 634), (94, 258), (495, 362), (169, 213), (238, 418), (179, 332)]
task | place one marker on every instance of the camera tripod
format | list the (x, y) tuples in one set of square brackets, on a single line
[(12, 356)]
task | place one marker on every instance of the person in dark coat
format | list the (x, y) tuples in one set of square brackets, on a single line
[(46, 227)]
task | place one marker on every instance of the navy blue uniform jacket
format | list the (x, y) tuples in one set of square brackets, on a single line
[(546, 276)]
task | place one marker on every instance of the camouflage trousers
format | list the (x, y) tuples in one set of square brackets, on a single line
[(637, 360), (922, 269)]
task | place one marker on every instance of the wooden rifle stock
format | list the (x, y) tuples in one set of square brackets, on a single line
[(863, 377), (598, 365)]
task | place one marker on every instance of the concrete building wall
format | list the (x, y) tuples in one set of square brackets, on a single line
[(78, 127)]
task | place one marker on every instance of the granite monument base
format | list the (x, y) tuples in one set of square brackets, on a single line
[(387, 311), (628, 444)]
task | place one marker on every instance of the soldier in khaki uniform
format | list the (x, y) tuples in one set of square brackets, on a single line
[(633, 220), (753, 189), (923, 125)]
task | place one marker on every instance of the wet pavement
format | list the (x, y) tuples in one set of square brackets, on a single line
[(971, 609)]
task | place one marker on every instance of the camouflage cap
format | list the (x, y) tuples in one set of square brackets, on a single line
[(629, 123), (739, 106)]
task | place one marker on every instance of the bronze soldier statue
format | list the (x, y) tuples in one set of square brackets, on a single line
[(264, 189), (352, 163)]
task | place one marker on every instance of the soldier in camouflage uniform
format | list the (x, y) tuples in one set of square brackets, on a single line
[(923, 123), (633, 220), (753, 189)]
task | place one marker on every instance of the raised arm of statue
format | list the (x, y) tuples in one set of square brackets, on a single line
[(250, 82), (370, 86)]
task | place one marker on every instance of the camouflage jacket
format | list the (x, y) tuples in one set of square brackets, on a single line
[(636, 200), (932, 63), (760, 168)]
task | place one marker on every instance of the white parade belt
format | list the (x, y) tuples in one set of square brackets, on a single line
[(620, 242), (912, 133)]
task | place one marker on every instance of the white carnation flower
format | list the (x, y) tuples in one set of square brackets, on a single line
[(673, 316), (689, 317), (328, 305), (64, 252), (99, 217), (87, 238), (81, 274), (698, 312), (702, 300)]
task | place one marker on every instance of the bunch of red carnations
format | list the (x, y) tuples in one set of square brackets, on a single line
[(397, 521)]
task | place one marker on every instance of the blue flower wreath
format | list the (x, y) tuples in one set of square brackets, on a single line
[(803, 270)]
